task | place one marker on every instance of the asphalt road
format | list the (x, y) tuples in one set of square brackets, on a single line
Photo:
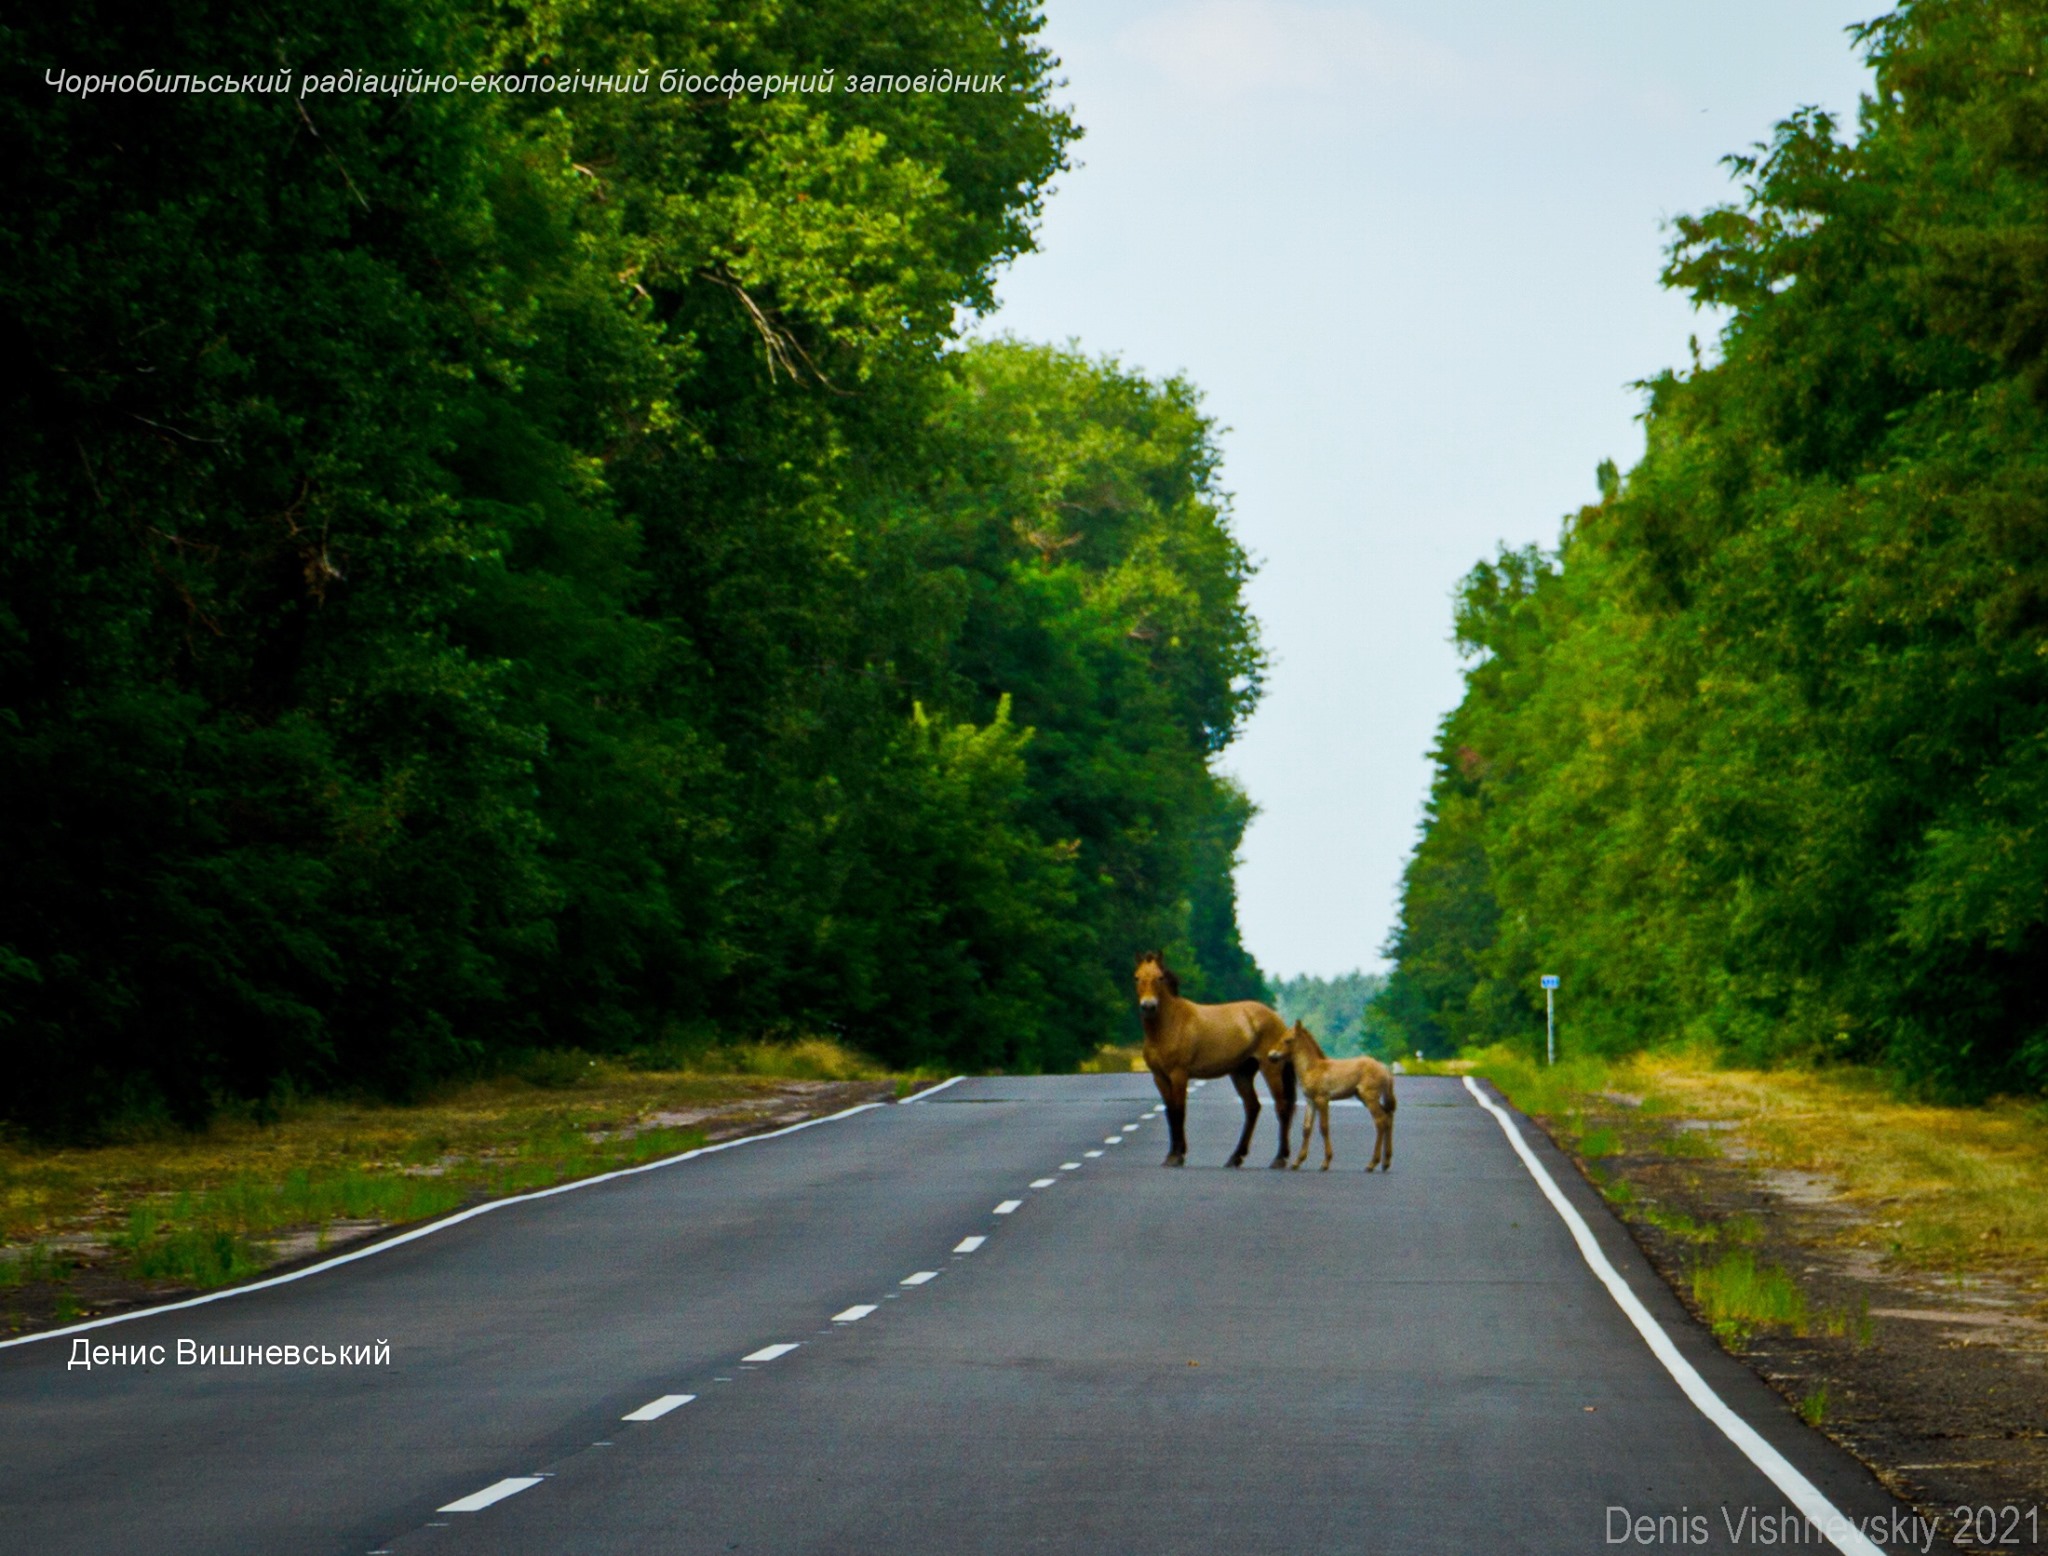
[(1133, 1361)]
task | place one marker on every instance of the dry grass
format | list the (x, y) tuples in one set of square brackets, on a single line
[(1956, 1190), (205, 1209), (1115, 1059)]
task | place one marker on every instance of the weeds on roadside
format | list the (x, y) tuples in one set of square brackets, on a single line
[(1813, 1405), (39, 1262), (1739, 1296)]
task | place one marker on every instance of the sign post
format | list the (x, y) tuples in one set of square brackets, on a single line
[(1550, 1015)]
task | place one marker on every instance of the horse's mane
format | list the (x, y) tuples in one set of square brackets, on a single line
[(1309, 1038)]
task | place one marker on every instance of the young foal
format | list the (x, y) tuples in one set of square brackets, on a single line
[(1325, 1080), (1184, 1040)]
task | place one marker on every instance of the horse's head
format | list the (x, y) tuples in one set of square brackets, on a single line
[(1156, 982)]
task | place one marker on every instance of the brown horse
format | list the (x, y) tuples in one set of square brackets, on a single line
[(1325, 1080), (1185, 1041)]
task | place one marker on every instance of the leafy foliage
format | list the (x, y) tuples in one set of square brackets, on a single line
[(1761, 752), (1340, 1011), (489, 572)]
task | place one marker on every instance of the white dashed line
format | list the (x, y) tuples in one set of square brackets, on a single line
[(854, 1314), (1114, 1140), (1070, 1166), (968, 1244), (655, 1409), (1042, 1183), (1091, 1155), (919, 1278), (1129, 1127), (770, 1352), (1009, 1206), (477, 1501)]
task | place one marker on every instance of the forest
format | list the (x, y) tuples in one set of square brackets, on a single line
[(1758, 754), (488, 571)]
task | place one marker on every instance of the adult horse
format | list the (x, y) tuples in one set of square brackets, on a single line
[(1185, 1041)]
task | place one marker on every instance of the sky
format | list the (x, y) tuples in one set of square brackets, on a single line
[(1409, 250)]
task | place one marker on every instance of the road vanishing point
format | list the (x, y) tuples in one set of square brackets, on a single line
[(983, 1322)]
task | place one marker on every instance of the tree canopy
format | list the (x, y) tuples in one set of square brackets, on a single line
[(483, 570), (1760, 752)]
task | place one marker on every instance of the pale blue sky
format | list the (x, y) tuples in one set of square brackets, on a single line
[(1410, 251)]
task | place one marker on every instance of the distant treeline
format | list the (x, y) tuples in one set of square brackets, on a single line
[(1760, 753), (490, 571), (1340, 1011)]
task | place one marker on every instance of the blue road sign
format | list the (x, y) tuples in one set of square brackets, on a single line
[(1550, 980)]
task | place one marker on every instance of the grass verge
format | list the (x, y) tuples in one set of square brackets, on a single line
[(1953, 1190), (207, 1209)]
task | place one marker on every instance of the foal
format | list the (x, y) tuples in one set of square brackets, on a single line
[(1325, 1080)]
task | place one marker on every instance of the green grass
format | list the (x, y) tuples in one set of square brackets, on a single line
[(1813, 1405), (1851, 1324), (209, 1208), (1598, 1142), (1696, 1144), (1683, 1227), (35, 1264), (1738, 1296)]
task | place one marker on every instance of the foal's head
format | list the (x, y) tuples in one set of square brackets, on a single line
[(1280, 1048), (1156, 981)]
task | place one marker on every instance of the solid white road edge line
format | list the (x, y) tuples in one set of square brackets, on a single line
[(1008, 1207), (1803, 1494), (968, 1244), (933, 1091), (854, 1314), (771, 1352), (435, 1226), (477, 1501), (655, 1409)]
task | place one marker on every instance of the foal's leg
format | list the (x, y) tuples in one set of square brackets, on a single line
[(1242, 1078), (1382, 1143), (1329, 1145), (1308, 1127), (1173, 1091)]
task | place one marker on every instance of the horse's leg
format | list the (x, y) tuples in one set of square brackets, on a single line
[(1329, 1145), (1173, 1091), (1387, 1134), (1243, 1079), (1283, 1103), (1308, 1128)]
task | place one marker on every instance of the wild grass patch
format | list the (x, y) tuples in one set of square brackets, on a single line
[(211, 1208), (1738, 1296), (1948, 1190)]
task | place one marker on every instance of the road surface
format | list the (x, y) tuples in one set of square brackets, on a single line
[(1132, 1360)]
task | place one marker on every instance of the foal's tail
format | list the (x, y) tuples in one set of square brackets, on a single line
[(1387, 1093)]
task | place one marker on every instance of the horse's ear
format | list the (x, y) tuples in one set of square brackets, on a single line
[(1146, 956)]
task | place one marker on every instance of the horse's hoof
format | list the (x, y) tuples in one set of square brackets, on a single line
[(1175, 1161), (1280, 1161)]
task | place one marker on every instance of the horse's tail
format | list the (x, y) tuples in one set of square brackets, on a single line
[(1387, 1090)]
